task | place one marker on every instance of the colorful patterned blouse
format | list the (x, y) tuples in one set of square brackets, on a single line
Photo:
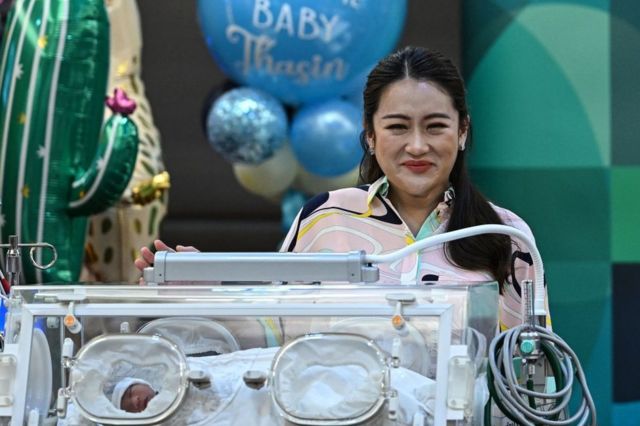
[(363, 218)]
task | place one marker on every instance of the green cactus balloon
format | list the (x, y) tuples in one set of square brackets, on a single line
[(55, 169)]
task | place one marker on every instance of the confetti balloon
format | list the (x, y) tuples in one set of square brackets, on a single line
[(246, 125)]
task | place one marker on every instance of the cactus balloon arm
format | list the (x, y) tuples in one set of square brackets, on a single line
[(102, 184)]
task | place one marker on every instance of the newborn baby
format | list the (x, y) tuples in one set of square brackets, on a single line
[(132, 394)]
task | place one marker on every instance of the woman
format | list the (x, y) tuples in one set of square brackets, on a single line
[(416, 132)]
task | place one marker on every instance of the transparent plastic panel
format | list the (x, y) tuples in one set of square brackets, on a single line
[(231, 335)]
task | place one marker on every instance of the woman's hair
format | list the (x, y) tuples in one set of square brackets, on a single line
[(488, 252)]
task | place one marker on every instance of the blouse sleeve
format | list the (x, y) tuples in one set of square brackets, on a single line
[(510, 303)]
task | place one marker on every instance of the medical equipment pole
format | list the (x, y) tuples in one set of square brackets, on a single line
[(13, 266)]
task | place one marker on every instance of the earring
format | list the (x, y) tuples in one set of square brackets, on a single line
[(449, 195), (371, 151)]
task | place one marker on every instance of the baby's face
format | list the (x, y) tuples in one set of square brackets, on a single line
[(136, 398)]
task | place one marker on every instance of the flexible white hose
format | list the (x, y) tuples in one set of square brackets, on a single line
[(539, 293)]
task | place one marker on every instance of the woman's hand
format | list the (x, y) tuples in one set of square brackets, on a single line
[(146, 256)]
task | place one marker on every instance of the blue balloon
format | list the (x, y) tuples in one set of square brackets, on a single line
[(246, 125), (325, 137), (291, 203), (300, 50)]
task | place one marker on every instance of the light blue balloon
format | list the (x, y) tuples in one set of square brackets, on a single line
[(300, 50), (246, 125), (325, 137)]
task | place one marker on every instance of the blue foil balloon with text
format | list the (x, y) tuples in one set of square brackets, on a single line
[(300, 50)]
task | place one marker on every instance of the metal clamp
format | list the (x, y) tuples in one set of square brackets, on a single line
[(13, 257)]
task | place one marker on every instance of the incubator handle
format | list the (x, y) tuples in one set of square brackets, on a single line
[(67, 348), (394, 405), (254, 379), (34, 418), (61, 403), (199, 379)]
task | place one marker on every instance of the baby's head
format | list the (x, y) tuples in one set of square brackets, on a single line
[(132, 394)]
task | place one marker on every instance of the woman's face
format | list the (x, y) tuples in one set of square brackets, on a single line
[(136, 398), (416, 136)]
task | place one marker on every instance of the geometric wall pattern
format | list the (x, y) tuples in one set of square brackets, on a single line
[(554, 89)]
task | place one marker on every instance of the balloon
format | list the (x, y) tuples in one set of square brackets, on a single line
[(53, 164), (100, 187), (246, 125), (271, 177), (214, 93), (300, 50), (312, 184), (292, 202), (325, 137), (115, 235)]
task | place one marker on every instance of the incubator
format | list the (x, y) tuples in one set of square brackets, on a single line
[(304, 343), (235, 354)]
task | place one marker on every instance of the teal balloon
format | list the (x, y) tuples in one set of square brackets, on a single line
[(325, 137), (300, 50), (292, 202)]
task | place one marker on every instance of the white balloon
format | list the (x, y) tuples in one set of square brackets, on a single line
[(313, 184), (270, 178)]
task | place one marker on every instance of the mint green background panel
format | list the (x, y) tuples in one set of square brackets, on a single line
[(539, 81), (567, 209), (543, 86)]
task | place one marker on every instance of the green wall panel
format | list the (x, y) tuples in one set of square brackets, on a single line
[(568, 210), (625, 90), (626, 414), (540, 83), (580, 304), (625, 216), (553, 99), (579, 294)]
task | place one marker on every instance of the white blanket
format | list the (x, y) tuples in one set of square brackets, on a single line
[(228, 402)]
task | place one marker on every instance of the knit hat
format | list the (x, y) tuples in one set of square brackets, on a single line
[(121, 388)]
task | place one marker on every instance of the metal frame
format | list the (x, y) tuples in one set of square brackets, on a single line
[(197, 266)]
